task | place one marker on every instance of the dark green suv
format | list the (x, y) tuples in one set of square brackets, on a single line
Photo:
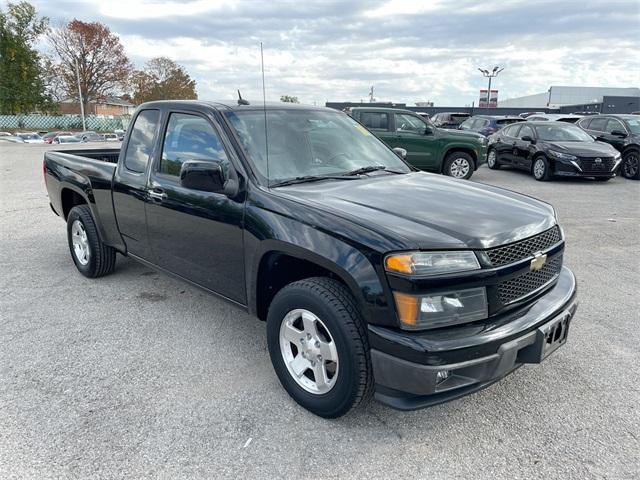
[(452, 152)]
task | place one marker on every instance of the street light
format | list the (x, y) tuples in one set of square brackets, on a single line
[(494, 73)]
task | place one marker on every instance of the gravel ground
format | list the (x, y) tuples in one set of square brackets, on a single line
[(138, 375)]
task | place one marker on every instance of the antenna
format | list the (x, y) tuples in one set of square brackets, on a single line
[(241, 101), (264, 108)]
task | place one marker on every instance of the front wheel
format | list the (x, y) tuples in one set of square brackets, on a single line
[(630, 167), (319, 347), (541, 170), (92, 257), (458, 165), (492, 159)]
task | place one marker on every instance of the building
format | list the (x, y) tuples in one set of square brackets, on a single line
[(110, 106), (559, 96)]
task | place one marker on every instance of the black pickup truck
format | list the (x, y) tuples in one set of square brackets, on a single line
[(373, 277)]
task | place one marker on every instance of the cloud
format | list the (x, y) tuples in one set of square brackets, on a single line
[(411, 51)]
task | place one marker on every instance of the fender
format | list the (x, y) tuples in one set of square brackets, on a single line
[(302, 241)]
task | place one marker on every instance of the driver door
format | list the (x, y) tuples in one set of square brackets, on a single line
[(418, 139), (193, 233)]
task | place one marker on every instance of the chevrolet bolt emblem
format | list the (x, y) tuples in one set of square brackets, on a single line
[(538, 261)]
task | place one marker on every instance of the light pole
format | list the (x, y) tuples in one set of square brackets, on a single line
[(494, 73)]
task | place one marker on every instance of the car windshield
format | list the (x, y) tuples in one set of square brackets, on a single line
[(309, 143), (634, 125), (558, 132)]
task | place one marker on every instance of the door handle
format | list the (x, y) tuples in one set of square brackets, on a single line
[(157, 194)]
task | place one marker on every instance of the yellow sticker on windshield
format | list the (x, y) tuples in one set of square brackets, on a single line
[(363, 130)]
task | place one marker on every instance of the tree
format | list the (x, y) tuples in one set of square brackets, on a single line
[(289, 99), (21, 77), (162, 79), (102, 64)]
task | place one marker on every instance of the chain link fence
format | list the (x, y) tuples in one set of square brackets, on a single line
[(63, 122)]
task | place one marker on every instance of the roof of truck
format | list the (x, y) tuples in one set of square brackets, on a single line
[(229, 105)]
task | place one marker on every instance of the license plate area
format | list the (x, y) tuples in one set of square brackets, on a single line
[(549, 337)]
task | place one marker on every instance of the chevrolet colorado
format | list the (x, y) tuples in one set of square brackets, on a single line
[(374, 278)]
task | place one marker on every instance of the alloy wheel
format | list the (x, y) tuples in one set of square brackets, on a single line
[(459, 168), (491, 159), (80, 242), (308, 351), (630, 165), (539, 168)]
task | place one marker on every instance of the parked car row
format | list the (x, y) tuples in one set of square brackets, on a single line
[(61, 137), (547, 145)]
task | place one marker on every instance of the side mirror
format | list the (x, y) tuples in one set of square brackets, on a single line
[(618, 133), (207, 176), (527, 138), (428, 130), (401, 152)]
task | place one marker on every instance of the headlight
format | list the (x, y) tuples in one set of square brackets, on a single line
[(431, 263), (561, 156), (617, 156), (442, 309)]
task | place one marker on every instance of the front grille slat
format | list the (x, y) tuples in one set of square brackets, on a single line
[(517, 251), (523, 285), (589, 165)]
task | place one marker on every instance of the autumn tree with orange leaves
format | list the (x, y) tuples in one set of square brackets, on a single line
[(102, 63)]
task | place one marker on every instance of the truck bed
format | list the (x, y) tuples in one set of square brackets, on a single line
[(88, 173), (109, 155)]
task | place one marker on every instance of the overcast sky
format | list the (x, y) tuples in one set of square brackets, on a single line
[(409, 50)]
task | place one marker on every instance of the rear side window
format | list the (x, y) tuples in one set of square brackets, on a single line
[(189, 137), (526, 130), (375, 120), (584, 122), (598, 124), (141, 141), (511, 131)]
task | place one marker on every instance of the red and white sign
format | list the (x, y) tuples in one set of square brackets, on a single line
[(488, 103)]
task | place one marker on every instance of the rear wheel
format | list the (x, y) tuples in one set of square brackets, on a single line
[(458, 165), (492, 159), (319, 346), (541, 170), (92, 257), (630, 167)]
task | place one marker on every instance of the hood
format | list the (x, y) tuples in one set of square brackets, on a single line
[(463, 134), (429, 211), (584, 149)]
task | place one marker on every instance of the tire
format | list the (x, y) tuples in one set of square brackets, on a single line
[(630, 167), (336, 322), (458, 165), (540, 169), (492, 159), (92, 258)]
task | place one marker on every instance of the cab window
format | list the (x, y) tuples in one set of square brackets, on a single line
[(189, 137), (409, 124), (375, 120), (141, 141), (598, 124)]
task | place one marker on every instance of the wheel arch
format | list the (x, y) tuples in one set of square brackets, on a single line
[(279, 263)]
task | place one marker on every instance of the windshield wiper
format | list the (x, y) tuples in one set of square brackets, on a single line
[(310, 178), (369, 168)]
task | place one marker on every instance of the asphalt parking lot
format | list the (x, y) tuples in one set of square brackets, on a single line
[(138, 375)]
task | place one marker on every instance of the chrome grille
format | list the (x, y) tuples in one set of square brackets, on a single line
[(524, 248), (589, 164), (521, 286)]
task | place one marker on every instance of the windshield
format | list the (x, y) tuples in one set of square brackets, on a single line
[(634, 125), (557, 132), (309, 143)]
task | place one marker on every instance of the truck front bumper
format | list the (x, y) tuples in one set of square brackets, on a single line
[(418, 369)]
